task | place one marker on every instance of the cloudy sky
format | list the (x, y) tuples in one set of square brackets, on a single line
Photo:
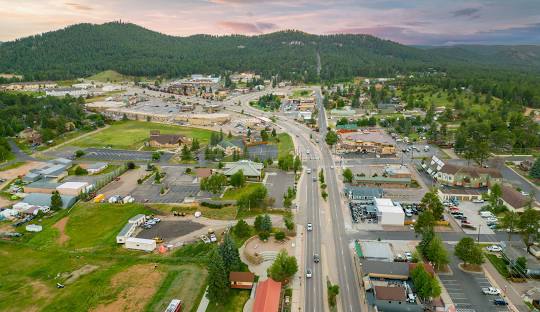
[(433, 22)]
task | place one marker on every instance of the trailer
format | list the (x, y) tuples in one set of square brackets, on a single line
[(174, 306)]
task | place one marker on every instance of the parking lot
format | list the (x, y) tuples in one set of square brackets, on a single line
[(168, 230), (179, 184), (471, 211), (465, 289), (121, 155), (263, 152), (277, 183)]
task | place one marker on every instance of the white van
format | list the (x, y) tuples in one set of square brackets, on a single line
[(486, 214)]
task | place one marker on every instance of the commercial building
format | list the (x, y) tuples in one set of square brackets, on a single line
[(380, 181), (74, 92), (372, 141), (363, 193), (126, 232), (30, 86), (267, 296), (53, 170), (388, 212), (37, 199), (140, 244), (374, 251), (94, 168), (43, 186), (159, 140), (251, 170), (461, 176), (74, 188)]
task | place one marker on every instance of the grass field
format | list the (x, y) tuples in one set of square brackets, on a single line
[(14, 165), (110, 76), (31, 266), (236, 193), (225, 213), (132, 135), (237, 299), (300, 93), (285, 145), (499, 264)]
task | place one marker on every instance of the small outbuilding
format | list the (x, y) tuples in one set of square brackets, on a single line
[(34, 228), (241, 280), (140, 244)]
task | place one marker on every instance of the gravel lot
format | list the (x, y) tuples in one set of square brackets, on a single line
[(170, 229)]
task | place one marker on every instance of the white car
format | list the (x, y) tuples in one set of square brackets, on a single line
[(408, 256), (494, 248), (309, 274), (213, 237), (205, 239), (491, 291), (524, 193), (331, 167), (157, 220), (478, 201), (310, 227)]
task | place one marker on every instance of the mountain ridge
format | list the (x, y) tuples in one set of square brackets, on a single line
[(85, 49)]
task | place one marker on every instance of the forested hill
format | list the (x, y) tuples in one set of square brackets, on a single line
[(85, 49)]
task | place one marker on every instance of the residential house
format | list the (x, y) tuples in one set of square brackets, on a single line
[(159, 140), (241, 280), (267, 296), (514, 200), (252, 170), (31, 136), (229, 147)]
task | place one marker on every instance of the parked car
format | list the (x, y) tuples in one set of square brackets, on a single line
[(213, 237), (494, 248), (205, 239), (408, 256), (478, 201), (309, 274), (490, 291), (310, 227), (500, 301)]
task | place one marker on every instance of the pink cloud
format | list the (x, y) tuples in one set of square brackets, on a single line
[(250, 28)]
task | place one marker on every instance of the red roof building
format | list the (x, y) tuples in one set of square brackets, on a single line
[(267, 296)]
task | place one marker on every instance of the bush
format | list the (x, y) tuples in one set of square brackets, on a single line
[(79, 153), (80, 171), (214, 204), (139, 181), (130, 165), (279, 236), (264, 236)]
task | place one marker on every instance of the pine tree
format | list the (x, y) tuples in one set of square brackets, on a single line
[(218, 281), (535, 170), (229, 254), (56, 201)]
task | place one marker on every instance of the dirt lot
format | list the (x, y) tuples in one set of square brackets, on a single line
[(61, 227), (170, 229), (19, 171), (126, 185), (137, 286)]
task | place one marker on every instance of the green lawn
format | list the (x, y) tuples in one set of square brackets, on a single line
[(31, 266), (499, 264), (300, 93), (110, 76), (132, 135), (184, 282), (235, 303), (225, 213), (236, 193), (285, 145), (14, 165)]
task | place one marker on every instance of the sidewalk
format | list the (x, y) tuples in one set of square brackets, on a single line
[(515, 302), (203, 305)]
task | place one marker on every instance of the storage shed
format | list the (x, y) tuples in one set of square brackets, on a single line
[(140, 244)]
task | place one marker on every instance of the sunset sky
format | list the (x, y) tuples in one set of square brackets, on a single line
[(428, 22)]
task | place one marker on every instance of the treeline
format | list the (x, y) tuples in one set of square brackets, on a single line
[(51, 116)]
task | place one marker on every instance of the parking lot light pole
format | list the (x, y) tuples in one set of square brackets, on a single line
[(478, 238)]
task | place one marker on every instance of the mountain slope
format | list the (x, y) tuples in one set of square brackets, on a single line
[(86, 49)]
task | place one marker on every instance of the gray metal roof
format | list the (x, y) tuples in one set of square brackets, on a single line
[(53, 170), (126, 229), (364, 192), (39, 199), (382, 267), (377, 250), (135, 218)]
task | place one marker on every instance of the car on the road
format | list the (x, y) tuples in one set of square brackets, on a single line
[(478, 201), (309, 274), (331, 167), (157, 220), (491, 291), (308, 171), (524, 193), (500, 301), (494, 248), (314, 179), (316, 258), (310, 227)]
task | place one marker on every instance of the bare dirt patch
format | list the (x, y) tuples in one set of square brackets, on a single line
[(75, 275), (19, 171), (61, 227), (138, 284)]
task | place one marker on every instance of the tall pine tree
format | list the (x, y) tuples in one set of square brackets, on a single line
[(229, 254), (218, 281)]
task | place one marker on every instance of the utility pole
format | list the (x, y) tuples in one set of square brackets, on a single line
[(479, 227)]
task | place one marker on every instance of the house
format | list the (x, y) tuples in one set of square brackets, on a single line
[(513, 199), (94, 168), (252, 170), (31, 136), (241, 280), (391, 297), (267, 296), (230, 147), (159, 140)]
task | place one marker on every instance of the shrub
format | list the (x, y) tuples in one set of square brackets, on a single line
[(264, 236), (279, 236), (130, 165)]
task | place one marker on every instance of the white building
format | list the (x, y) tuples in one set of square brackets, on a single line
[(138, 219), (388, 212), (73, 188), (304, 115), (34, 228), (67, 91), (126, 233), (140, 244)]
